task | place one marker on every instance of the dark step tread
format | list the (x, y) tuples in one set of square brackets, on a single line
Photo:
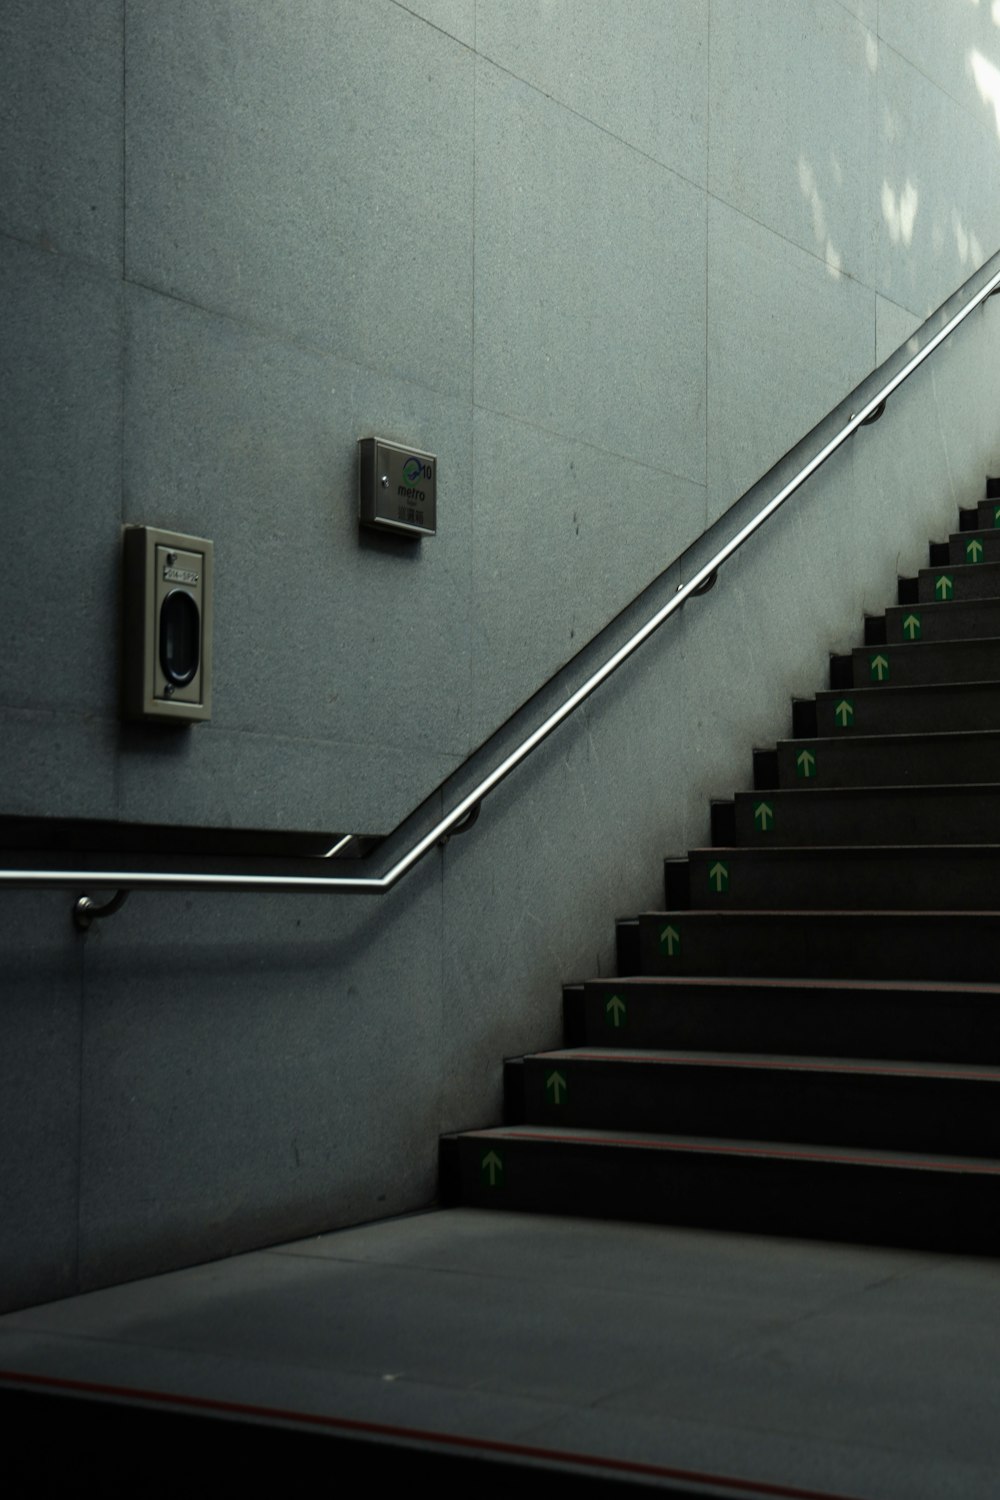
[(800, 1187), (936, 621), (903, 690), (773, 1062), (843, 851), (920, 813), (961, 546), (827, 942), (898, 708), (965, 536), (934, 570), (751, 982), (919, 756), (925, 789), (943, 608), (860, 1156), (815, 877), (943, 1021), (968, 660), (826, 913), (918, 736)]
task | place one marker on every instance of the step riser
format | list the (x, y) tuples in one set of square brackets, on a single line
[(920, 760), (810, 817), (876, 1205), (926, 662), (958, 947), (977, 619), (942, 881), (919, 710), (980, 582), (953, 1027), (962, 547), (890, 1112)]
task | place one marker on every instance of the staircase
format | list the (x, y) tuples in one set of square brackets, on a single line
[(807, 1039)]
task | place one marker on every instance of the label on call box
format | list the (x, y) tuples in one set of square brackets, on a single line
[(398, 488)]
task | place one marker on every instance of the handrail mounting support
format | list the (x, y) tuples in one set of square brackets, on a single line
[(87, 911)]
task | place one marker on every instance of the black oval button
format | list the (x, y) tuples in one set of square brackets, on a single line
[(180, 637)]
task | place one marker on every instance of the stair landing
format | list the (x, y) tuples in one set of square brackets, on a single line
[(496, 1354)]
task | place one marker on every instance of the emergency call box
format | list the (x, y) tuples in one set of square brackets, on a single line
[(167, 655), (398, 488)]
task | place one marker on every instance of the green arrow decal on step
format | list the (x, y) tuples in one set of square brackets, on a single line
[(555, 1085), (805, 764), (879, 667), (911, 627), (718, 877), (974, 550), (491, 1168), (616, 1011), (844, 712), (763, 816), (670, 941), (996, 515), (944, 587)]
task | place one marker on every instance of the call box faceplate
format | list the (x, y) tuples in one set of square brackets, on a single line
[(168, 625), (398, 488)]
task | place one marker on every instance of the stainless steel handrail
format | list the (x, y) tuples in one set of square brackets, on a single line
[(376, 885)]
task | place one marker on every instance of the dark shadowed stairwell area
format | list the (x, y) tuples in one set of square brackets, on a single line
[(762, 1172), (622, 270), (806, 1039)]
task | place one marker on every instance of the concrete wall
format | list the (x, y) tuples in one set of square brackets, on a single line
[(610, 263)]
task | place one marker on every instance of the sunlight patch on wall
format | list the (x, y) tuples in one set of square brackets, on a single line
[(987, 78), (807, 182), (969, 248), (810, 191), (900, 214)]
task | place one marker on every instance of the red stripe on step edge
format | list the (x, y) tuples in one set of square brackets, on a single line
[(417, 1434)]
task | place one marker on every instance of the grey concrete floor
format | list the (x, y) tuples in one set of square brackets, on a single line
[(866, 1372)]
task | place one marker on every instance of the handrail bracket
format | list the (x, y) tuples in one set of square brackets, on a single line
[(87, 911), (471, 817)]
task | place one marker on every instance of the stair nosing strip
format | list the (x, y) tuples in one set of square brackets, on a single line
[(751, 1062), (987, 1166)]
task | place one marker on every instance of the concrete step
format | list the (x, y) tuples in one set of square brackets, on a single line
[(924, 662), (934, 1022), (941, 877), (907, 710), (900, 1106), (958, 620), (887, 760), (928, 1201), (974, 547), (987, 514), (960, 947), (966, 581), (818, 815)]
